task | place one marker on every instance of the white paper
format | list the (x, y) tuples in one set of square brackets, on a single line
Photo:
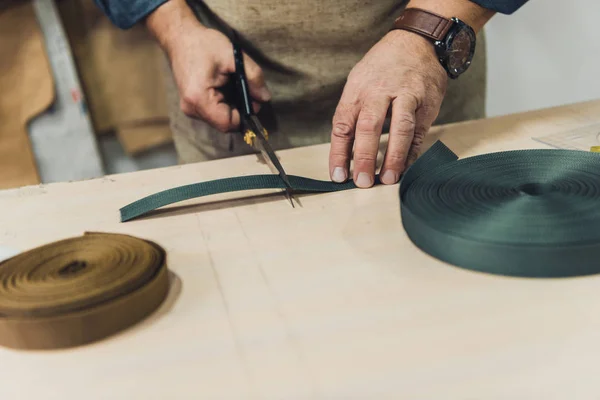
[(575, 139)]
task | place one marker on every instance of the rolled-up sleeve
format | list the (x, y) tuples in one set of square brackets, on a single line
[(125, 14), (501, 6)]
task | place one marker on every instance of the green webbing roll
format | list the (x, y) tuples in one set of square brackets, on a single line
[(252, 182), (526, 213)]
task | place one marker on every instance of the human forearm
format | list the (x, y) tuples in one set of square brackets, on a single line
[(170, 21), (466, 10)]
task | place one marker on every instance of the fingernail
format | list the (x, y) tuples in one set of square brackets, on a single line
[(364, 180), (389, 177), (339, 175)]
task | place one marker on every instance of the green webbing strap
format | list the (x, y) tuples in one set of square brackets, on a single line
[(527, 213), (239, 183)]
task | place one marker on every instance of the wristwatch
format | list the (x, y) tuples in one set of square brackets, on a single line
[(453, 39)]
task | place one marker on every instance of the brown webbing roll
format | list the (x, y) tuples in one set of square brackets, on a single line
[(79, 290)]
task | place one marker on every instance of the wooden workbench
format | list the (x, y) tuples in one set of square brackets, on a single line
[(329, 300)]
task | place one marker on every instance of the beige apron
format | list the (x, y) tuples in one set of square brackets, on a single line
[(306, 49)]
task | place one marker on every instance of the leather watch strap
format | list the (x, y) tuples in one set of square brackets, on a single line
[(424, 23)]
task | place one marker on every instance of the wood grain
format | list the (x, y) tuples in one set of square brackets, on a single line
[(329, 300)]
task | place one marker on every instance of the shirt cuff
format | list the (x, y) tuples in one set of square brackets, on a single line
[(501, 6), (126, 14)]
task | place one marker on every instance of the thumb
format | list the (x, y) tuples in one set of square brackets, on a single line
[(256, 81)]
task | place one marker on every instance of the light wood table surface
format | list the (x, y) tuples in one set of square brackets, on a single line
[(329, 300)]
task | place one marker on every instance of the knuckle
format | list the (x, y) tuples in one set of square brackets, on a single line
[(346, 108), (188, 109), (341, 152), (338, 158), (189, 103), (368, 123), (190, 97), (363, 157), (405, 124), (407, 101), (423, 88), (351, 101), (419, 87), (342, 130), (255, 73), (395, 158), (356, 72)]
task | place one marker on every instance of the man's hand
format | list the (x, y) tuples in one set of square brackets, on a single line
[(202, 60), (400, 72)]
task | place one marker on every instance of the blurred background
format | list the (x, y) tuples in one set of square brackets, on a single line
[(80, 98), (544, 55)]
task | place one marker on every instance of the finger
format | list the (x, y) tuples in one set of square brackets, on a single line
[(256, 80), (342, 138), (256, 106), (368, 131), (402, 132), (426, 115), (221, 116), (207, 105), (219, 96)]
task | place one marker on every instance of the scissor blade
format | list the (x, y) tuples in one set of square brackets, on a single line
[(267, 151)]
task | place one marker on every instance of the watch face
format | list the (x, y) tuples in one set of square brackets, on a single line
[(459, 48)]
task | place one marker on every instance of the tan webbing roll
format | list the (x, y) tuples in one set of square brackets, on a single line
[(79, 290)]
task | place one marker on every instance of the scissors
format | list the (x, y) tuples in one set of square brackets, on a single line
[(255, 134)]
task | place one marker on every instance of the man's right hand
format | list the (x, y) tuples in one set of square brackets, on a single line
[(202, 60)]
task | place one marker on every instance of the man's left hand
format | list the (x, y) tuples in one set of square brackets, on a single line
[(401, 73)]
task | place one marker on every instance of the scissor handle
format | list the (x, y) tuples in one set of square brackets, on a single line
[(242, 81)]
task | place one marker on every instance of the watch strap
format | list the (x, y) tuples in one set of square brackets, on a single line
[(423, 22)]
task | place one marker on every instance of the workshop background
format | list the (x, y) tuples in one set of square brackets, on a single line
[(542, 56)]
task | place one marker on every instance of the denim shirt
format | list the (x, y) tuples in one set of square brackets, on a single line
[(125, 14)]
